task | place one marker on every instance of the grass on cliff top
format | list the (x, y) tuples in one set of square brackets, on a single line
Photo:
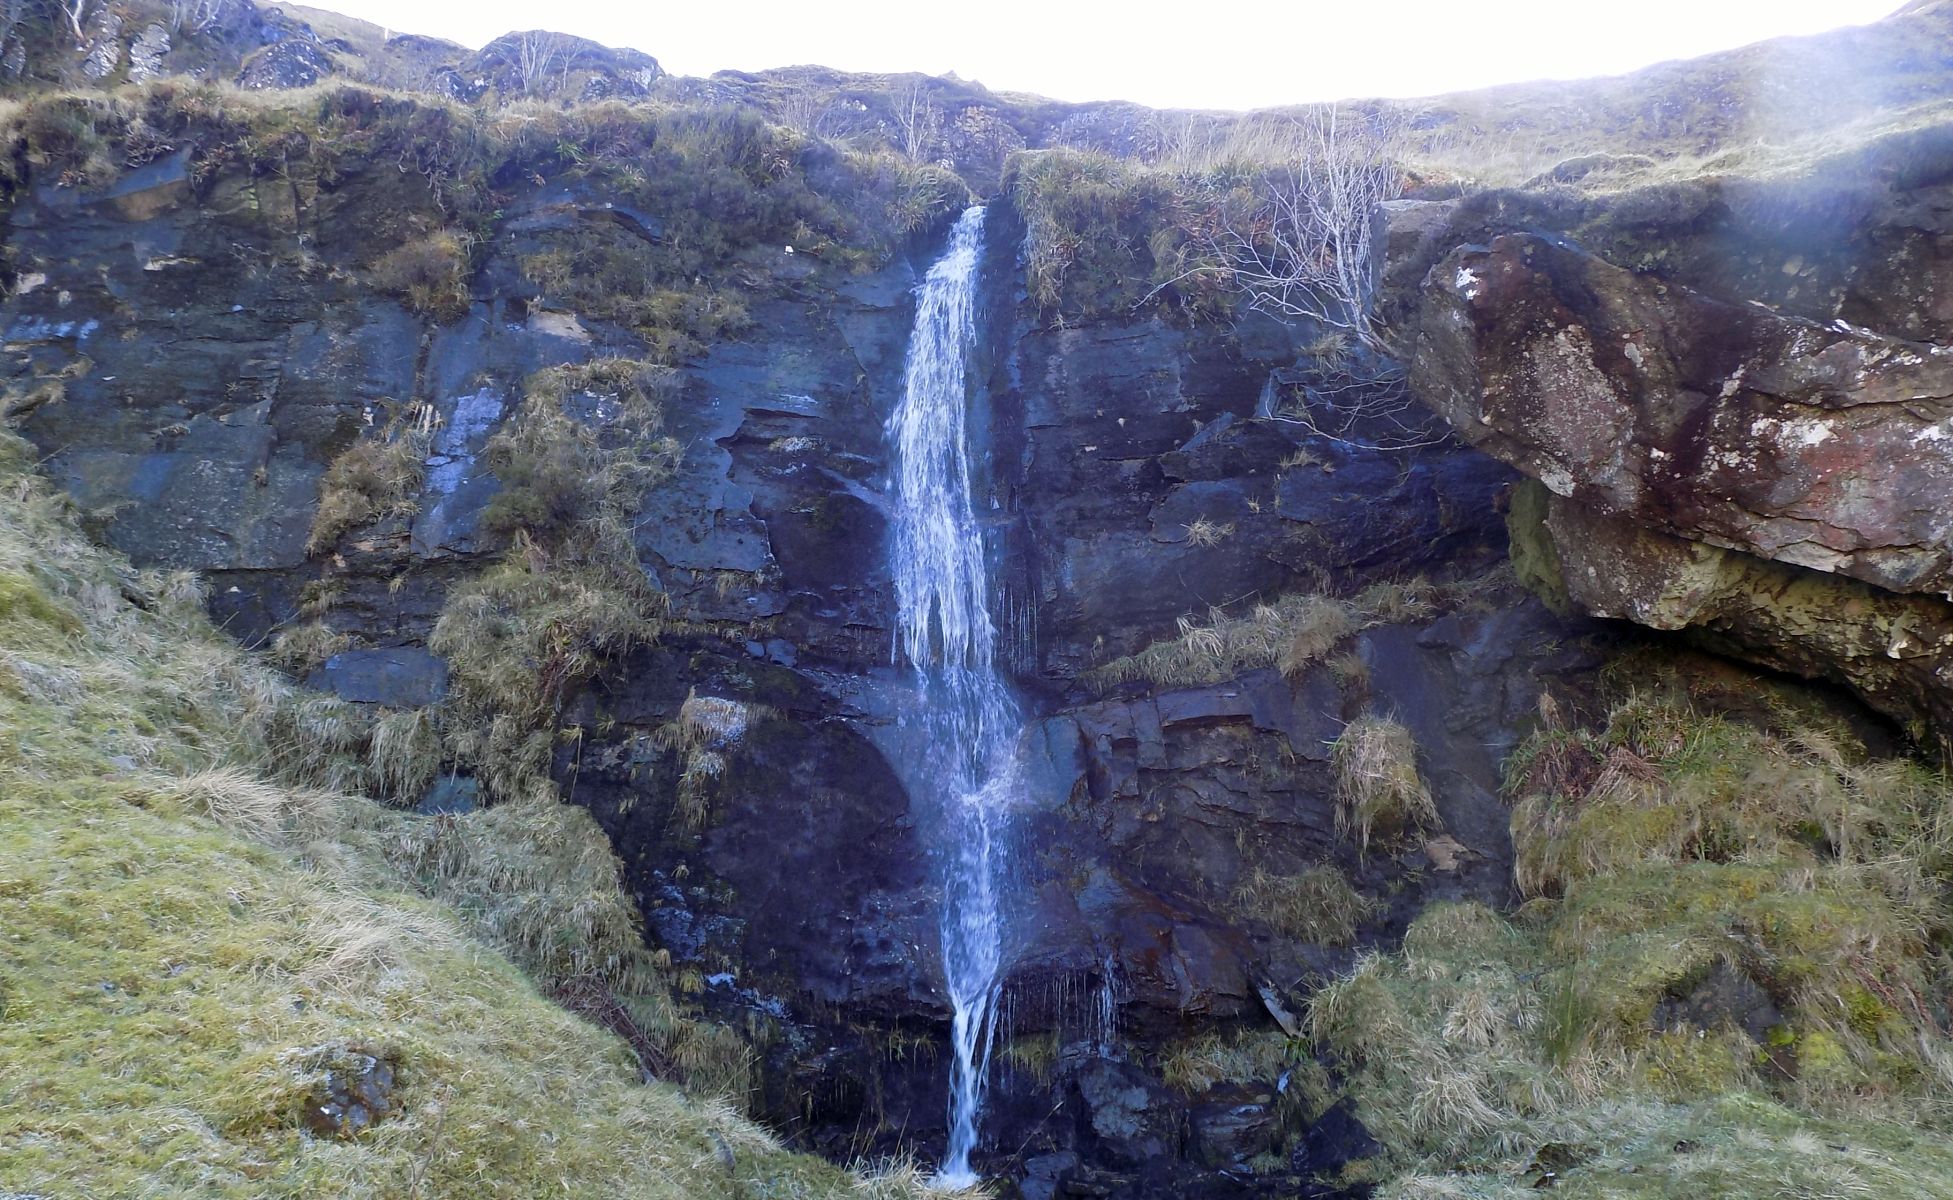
[(706, 187), (196, 926), (1690, 875)]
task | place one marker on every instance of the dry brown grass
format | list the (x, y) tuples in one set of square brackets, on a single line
[(1292, 633), (1379, 793), (704, 736), (429, 273), (1318, 905), (375, 477)]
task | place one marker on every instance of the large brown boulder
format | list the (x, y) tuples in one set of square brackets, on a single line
[(1822, 446)]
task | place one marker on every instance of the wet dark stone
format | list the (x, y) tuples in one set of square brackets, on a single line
[(1129, 1117), (1723, 998), (353, 1096), (398, 677), (1337, 1139), (450, 795), (1231, 1124)]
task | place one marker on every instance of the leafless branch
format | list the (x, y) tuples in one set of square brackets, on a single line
[(918, 120), (198, 15), (1360, 403), (1299, 245), (76, 11), (541, 55)]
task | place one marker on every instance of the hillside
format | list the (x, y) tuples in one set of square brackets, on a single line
[(223, 975), (565, 629)]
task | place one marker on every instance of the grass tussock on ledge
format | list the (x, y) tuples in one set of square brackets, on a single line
[(1730, 979), (1379, 793), (1291, 633), (201, 930)]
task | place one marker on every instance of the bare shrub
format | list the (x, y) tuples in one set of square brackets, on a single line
[(429, 273)]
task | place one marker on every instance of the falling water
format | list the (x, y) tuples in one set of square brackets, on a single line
[(945, 633)]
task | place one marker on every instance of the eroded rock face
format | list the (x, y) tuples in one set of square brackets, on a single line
[(811, 885), (802, 887), (1894, 650), (1824, 447)]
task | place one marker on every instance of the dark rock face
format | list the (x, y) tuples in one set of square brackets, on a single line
[(1334, 1141), (811, 886), (194, 353), (400, 677), (1232, 1124)]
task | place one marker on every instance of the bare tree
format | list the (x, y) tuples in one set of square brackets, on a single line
[(540, 55), (199, 15), (1299, 244), (1354, 398), (1284, 214), (804, 110), (76, 11), (918, 120)]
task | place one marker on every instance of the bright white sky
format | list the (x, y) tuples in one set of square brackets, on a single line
[(1165, 53)]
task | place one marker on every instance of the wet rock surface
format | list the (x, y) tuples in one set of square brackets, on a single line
[(810, 886), (354, 1094), (800, 885)]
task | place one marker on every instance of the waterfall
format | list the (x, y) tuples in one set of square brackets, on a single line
[(967, 716)]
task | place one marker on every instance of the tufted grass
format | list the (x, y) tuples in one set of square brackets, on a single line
[(1379, 792), (1292, 633), (429, 273), (374, 477), (1317, 905), (197, 921), (1662, 847)]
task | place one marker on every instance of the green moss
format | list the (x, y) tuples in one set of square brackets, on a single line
[(1102, 236), (22, 599), (1669, 847), (197, 926), (1535, 558)]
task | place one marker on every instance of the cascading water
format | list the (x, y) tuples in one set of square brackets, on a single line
[(967, 715)]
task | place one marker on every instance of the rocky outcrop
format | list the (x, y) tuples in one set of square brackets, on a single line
[(1896, 651), (549, 65), (1735, 397), (192, 353), (1828, 447)]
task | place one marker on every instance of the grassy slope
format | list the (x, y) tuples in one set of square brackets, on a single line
[(1666, 847), (191, 935)]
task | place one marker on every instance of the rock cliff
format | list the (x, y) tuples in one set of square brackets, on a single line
[(1764, 419), (557, 441)]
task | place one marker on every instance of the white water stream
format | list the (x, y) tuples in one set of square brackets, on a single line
[(968, 718)]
